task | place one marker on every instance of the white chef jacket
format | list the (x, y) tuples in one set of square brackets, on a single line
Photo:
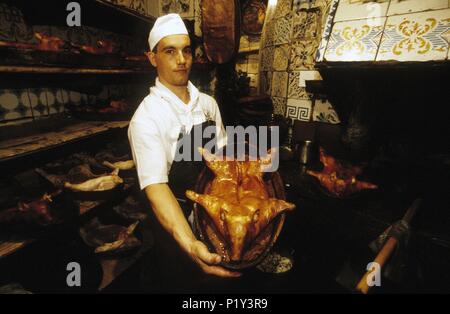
[(155, 127)]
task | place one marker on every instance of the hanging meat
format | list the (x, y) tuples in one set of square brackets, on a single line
[(238, 203), (339, 178)]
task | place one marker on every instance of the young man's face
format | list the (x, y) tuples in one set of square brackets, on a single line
[(173, 60)]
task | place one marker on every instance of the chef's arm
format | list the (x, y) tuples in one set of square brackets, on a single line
[(170, 215)]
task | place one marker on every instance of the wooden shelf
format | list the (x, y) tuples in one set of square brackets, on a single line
[(8, 247), (64, 70), (17, 147), (248, 51)]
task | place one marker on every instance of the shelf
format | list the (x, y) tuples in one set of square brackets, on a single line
[(248, 51), (13, 148), (64, 70), (8, 247), (94, 13)]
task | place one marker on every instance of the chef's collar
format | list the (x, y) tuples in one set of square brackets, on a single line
[(161, 90)]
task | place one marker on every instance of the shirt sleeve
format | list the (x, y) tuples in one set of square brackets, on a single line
[(148, 153)]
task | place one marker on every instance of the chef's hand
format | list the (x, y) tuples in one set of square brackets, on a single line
[(208, 261)]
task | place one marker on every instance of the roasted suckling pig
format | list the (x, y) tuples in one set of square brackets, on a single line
[(339, 178), (238, 203), (34, 212), (102, 183), (49, 43)]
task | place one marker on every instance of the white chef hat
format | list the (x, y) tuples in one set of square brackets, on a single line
[(170, 24)]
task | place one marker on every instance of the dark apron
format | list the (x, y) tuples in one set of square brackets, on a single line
[(183, 174), (167, 269)]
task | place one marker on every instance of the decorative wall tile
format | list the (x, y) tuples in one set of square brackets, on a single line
[(279, 105), (355, 40), (416, 37), (265, 86), (269, 35), (302, 55), (38, 101), (411, 6), (360, 9), (279, 84), (281, 58), (299, 109), (198, 19), (326, 31), (295, 91), (57, 99), (138, 6), (307, 24), (185, 8), (283, 8), (75, 98), (267, 57), (282, 30), (14, 104), (324, 112)]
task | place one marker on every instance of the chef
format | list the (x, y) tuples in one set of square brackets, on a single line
[(174, 112)]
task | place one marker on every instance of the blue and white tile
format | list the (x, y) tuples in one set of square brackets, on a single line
[(416, 37), (326, 31), (324, 112), (299, 109), (355, 40), (360, 9), (38, 101), (412, 6), (15, 104)]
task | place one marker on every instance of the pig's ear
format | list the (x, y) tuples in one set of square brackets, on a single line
[(279, 206)]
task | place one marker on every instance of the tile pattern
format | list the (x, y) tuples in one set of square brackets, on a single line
[(14, 104), (295, 91), (324, 112), (326, 32), (267, 57), (411, 6), (302, 55), (13, 26), (281, 58), (418, 37), (283, 8), (307, 24), (183, 7), (279, 84), (279, 105), (360, 9), (299, 109), (38, 101), (355, 40), (282, 28)]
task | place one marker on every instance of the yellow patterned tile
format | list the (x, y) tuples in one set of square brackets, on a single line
[(355, 40), (416, 37)]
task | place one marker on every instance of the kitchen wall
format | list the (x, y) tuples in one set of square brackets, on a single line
[(291, 37), (388, 30)]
